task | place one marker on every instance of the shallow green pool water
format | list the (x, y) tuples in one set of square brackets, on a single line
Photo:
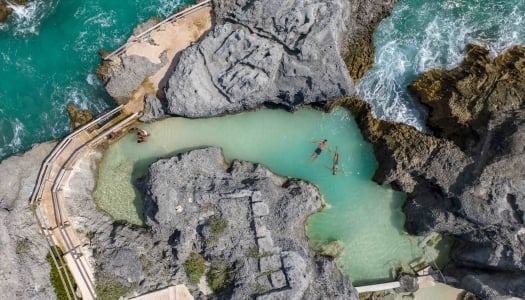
[(365, 217)]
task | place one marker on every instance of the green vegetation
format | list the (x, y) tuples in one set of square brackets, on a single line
[(216, 224), (60, 290), (22, 247), (90, 235), (220, 275), (195, 266), (109, 288)]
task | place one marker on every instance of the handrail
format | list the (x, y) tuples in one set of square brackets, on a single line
[(45, 171), (173, 17), (61, 145), (50, 243)]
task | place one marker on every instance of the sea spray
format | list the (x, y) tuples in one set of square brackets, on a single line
[(421, 35)]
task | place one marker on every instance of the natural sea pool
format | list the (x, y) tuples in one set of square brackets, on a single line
[(364, 217)]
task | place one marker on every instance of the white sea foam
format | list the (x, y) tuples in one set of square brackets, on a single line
[(167, 7), (12, 137), (27, 19), (411, 42)]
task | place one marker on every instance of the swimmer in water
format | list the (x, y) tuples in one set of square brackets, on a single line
[(321, 145), (335, 168)]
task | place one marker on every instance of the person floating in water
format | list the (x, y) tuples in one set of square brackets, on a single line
[(335, 164), (141, 134), (321, 145)]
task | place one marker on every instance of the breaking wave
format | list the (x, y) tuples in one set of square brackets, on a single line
[(27, 19), (421, 35)]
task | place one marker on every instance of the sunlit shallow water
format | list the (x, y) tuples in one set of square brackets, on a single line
[(364, 217)]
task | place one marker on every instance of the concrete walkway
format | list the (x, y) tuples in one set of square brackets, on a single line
[(178, 292), (47, 201)]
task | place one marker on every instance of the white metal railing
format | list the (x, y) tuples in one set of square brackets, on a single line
[(44, 169), (43, 178)]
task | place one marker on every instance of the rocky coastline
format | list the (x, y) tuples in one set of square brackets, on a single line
[(301, 65), (466, 179), (6, 10), (246, 223), (313, 53)]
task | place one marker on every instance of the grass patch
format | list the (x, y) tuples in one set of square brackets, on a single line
[(220, 276), (61, 290), (195, 266), (109, 288), (216, 224), (22, 247)]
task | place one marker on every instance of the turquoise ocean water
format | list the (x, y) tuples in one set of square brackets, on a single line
[(48, 56)]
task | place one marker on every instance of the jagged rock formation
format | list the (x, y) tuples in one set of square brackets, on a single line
[(153, 109), (468, 180), (78, 117), (246, 217), (358, 44), (25, 272), (263, 52)]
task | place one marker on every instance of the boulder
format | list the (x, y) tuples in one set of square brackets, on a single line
[(153, 109), (77, 117)]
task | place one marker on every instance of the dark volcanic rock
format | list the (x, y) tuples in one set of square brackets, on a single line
[(263, 52), (245, 217), (468, 181)]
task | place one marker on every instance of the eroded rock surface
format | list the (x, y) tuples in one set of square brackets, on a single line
[(24, 271), (262, 217), (467, 181), (263, 52)]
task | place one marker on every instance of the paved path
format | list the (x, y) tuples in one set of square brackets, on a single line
[(146, 33), (47, 205)]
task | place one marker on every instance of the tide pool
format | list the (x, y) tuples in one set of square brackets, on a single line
[(365, 217)]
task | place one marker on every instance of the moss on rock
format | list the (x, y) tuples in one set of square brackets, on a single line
[(78, 117)]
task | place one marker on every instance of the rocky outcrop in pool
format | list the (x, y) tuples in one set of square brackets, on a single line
[(246, 224)]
